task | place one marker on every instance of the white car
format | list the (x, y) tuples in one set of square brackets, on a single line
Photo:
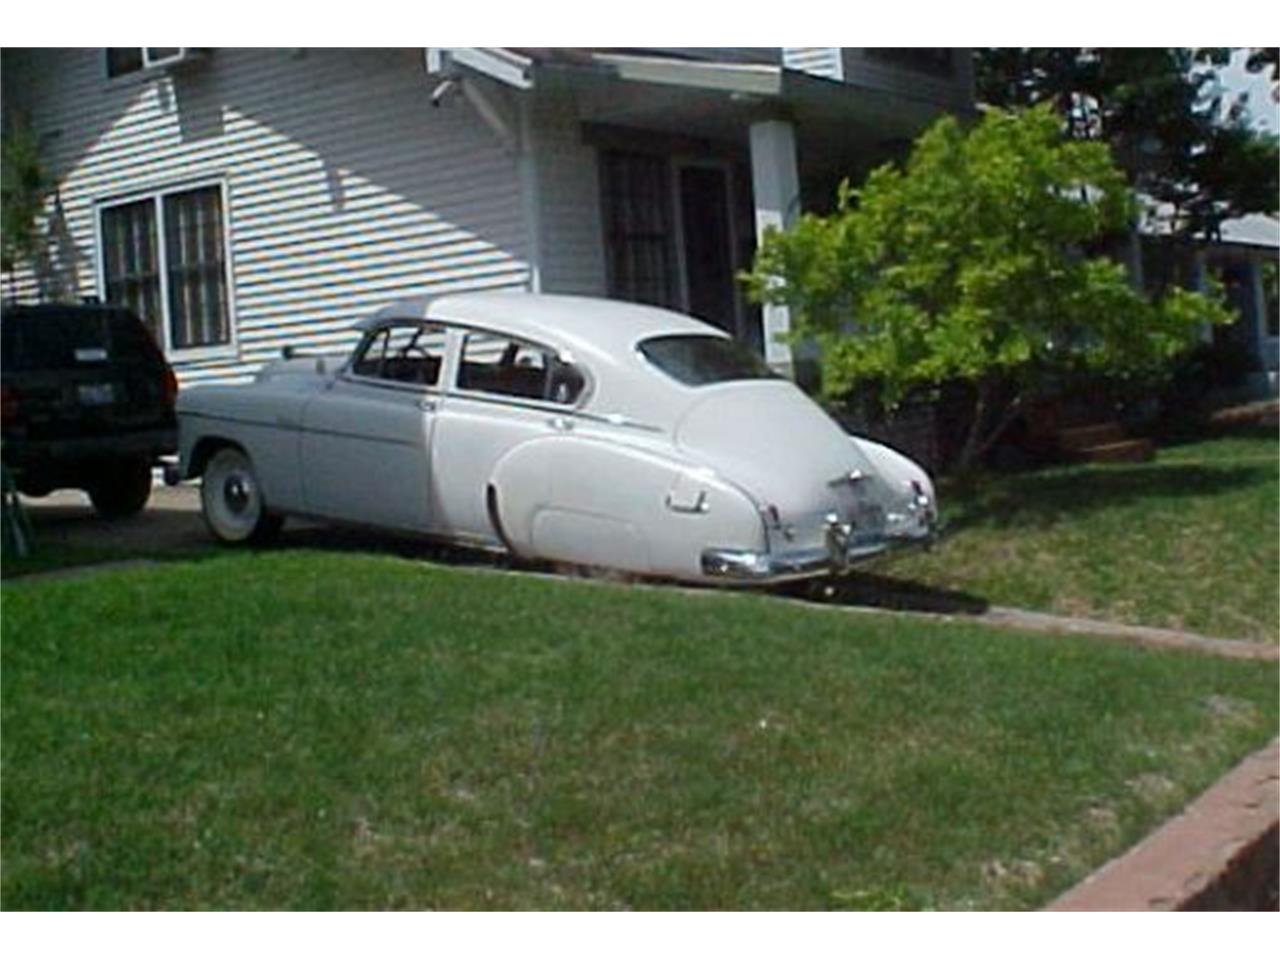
[(565, 429)]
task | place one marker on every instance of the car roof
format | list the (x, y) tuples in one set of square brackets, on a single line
[(593, 323)]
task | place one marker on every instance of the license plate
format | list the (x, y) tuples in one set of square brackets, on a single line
[(95, 394)]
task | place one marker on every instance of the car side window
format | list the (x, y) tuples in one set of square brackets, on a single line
[(404, 353), (500, 365)]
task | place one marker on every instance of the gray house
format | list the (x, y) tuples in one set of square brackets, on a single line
[(1238, 258), (246, 199)]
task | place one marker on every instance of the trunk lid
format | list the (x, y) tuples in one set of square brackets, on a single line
[(771, 439)]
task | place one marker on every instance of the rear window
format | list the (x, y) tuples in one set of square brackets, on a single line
[(698, 361), (51, 340)]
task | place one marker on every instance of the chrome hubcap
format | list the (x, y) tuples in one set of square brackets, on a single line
[(237, 493)]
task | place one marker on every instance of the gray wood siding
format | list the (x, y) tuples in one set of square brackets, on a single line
[(572, 239), (861, 69), (346, 188)]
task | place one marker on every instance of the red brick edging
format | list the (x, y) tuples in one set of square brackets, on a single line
[(1219, 853)]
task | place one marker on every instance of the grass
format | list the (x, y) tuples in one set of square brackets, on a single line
[(303, 730), (1190, 541)]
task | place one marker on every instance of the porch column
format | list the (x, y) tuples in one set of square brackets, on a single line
[(775, 185), (1259, 311)]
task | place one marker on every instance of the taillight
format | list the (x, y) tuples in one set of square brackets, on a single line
[(170, 386), (9, 408)]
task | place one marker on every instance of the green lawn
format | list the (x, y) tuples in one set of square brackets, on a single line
[(1189, 541), (299, 729)]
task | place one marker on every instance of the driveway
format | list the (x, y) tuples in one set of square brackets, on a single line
[(171, 520)]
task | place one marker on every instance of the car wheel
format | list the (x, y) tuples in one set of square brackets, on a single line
[(123, 489), (232, 500)]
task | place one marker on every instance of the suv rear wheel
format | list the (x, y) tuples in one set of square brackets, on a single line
[(122, 488)]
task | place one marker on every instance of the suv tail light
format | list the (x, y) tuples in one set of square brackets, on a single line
[(170, 386), (9, 408)]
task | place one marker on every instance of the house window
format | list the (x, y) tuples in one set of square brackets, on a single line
[(164, 256), (131, 269), (123, 60), (640, 238)]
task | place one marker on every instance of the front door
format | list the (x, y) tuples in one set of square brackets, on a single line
[(669, 234), (366, 440), (707, 245)]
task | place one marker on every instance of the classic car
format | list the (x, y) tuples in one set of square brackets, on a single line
[(564, 429)]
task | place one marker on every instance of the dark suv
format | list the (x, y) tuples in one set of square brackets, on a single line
[(87, 402)]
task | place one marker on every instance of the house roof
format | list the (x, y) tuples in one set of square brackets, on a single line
[(743, 70), (1254, 230), (1251, 230)]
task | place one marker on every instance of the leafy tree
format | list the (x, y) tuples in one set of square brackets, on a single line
[(967, 265), (23, 187), (1181, 142)]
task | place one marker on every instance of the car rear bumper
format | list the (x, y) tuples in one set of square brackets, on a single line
[(138, 443), (752, 566)]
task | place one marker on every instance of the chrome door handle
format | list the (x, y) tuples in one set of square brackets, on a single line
[(427, 405), (560, 423)]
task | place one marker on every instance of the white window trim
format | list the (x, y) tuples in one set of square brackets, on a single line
[(230, 349), (149, 67)]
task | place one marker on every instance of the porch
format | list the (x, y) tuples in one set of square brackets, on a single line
[(652, 179)]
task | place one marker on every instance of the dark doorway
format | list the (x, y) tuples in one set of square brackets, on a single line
[(707, 245)]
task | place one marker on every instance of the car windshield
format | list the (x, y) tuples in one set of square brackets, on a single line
[(698, 361)]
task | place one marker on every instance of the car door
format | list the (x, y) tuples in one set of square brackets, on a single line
[(366, 438), (507, 392)]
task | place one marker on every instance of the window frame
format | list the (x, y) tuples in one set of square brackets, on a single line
[(462, 332), (147, 64), (348, 370), (156, 196), (670, 377)]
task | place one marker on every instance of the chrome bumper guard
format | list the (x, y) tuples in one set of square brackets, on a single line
[(844, 547)]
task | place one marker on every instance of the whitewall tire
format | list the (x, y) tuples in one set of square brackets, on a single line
[(232, 500)]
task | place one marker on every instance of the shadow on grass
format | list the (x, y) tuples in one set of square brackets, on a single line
[(1042, 500), (858, 589), (345, 539), (69, 535), (1234, 431), (74, 540)]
